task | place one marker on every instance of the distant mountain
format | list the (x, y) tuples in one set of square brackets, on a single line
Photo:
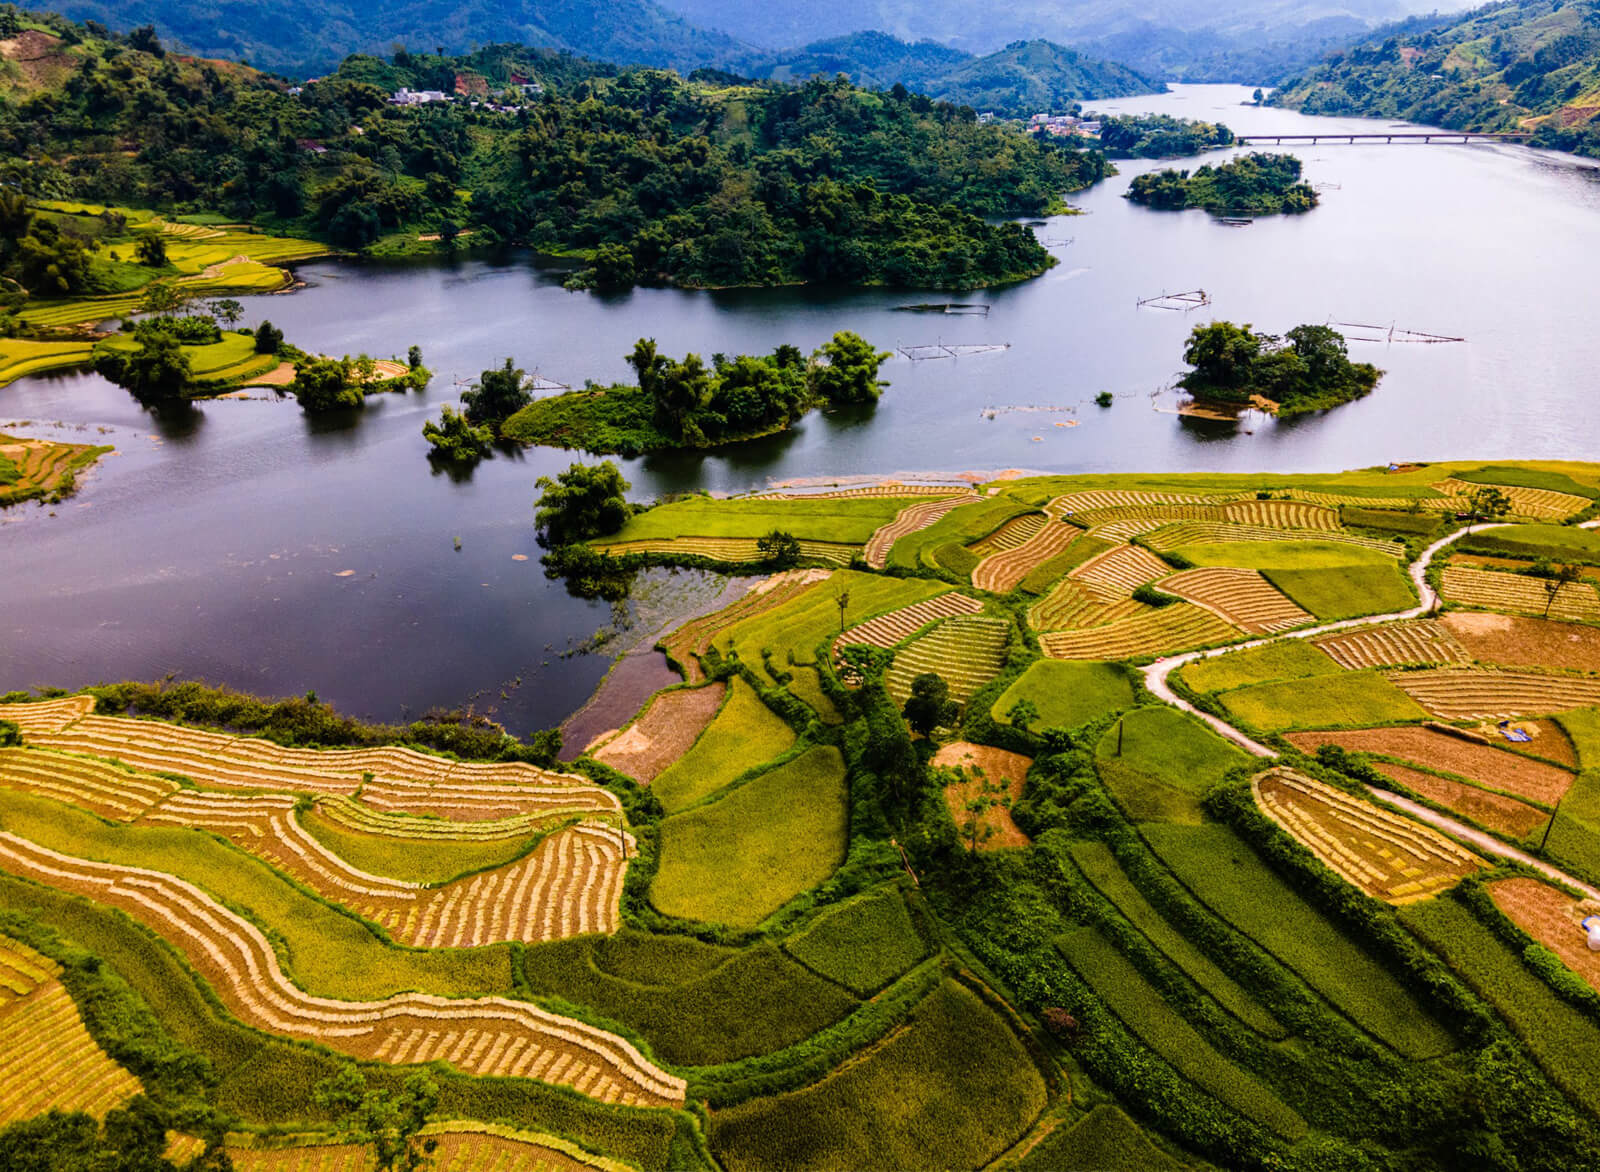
[(1026, 77), (309, 36), (1532, 64)]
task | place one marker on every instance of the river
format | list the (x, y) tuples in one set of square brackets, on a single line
[(216, 542)]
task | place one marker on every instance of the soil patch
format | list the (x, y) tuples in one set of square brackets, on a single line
[(1518, 641), (992, 776), (1495, 811), (280, 376), (1484, 764), (672, 723), (1552, 919)]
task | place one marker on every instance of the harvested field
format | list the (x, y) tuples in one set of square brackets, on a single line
[(47, 716), (48, 1060), (1011, 534), (1491, 590), (1170, 537), (888, 630), (1335, 499), (1281, 515), (1121, 570), (97, 786), (1073, 605), (1535, 503), (911, 519), (1078, 502), (1526, 642), (1170, 629), (1242, 597), (966, 651), (886, 488), (41, 470), (1495, 811), (738, 550), (1388, 856), (673, 721), (686, 644), (487, 1035), (1483, 764), (1395, 645), (356, 816), (1002, 572), (1470, 694), (991, 777), (1131, 520), (467, 1146), (1553, 918)]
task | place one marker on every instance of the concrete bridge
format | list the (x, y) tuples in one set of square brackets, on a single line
[(1389, 136)]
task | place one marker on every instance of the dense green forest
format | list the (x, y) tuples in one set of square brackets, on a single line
[(638, 175), (1256, 184), (1159, 136), (1308, 369), (1533, 64)]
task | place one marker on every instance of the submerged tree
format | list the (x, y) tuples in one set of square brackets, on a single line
[(587, 500), (846, 370), (454, 438), (498, 396), (326, 384)]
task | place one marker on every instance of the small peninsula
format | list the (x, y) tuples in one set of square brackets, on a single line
[(1256, 184)]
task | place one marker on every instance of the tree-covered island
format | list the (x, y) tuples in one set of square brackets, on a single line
[(1159, 136), (1256, 184), (1307, 369)]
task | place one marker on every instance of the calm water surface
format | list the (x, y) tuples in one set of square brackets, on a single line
[(213, 543)]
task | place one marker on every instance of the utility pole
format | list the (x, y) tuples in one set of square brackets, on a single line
[(1549, 824)]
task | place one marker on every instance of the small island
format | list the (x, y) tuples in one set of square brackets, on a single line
[(1256, 184), (687, 404), (1159, 136), (1307, 369)]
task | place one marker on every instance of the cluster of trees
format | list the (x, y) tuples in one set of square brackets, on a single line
[(38, 258), (1159, 136), (1256, 184), (653, 177), (1307, 369), (333, 384)]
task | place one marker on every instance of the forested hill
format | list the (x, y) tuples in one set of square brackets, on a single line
[(1025, 77), (637, 175), (309, 36), (1528, 64)]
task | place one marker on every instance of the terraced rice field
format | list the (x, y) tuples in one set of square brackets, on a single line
[(1491, 590), (889, 630), (1122, 570), (1481, 763), (888, 488), (40, 469), (48, 1060), (569, 885), (1496, 811), (1002, 572), (486, 1036), (911, 519), (1242, 597), (1179, 627), (98, 786), (1281, 515), (1395, 645), (46, 716), (686, 644), (1553, 918), (738, 550), (355, 815), (1013, 533), (967, 652), (671, 723), (1130, 521), (20, 358), (458, 1147), (1522, 641), (1538, 504), (1335, 499), (1072, 605), (1170, 537), (1388, 856), (1078, 502), (1470, 694)]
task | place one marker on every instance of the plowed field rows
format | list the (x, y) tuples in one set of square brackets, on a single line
[(967, 652), (489, 1035), (1072, 605), (1242, 597), (1396, 645), (1281, 515), (352, 814), (1214, 533), (1149, 516), (1386, 855), (1335, 499), (1534, 503), (467, 1146), (1468, 694), (899, 625), (48, 1060), (1572, 601), (690, 641), (909, 520), (43, 716), (1484, 764), (890, 488), (1552, 918), (1179, 627), (94, 785), (1496, 811), (1010, 535), (1122, 570), (729, 549), (672, 723), (1002, 571), (1077, 502)]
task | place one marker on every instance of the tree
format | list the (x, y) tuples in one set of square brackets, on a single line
[(975, 828), (414, 357), (1022, 714), (1258, 97), (227, 310), (388, 1122), (454, 438), (929, 705), (268, 338), (325, 384), (845, 370), (497, 396), (151, 250), (779, 548), (10, 734), (162, 297), (1223, 356), (1488, 503), (157, 369), (587, 500)]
